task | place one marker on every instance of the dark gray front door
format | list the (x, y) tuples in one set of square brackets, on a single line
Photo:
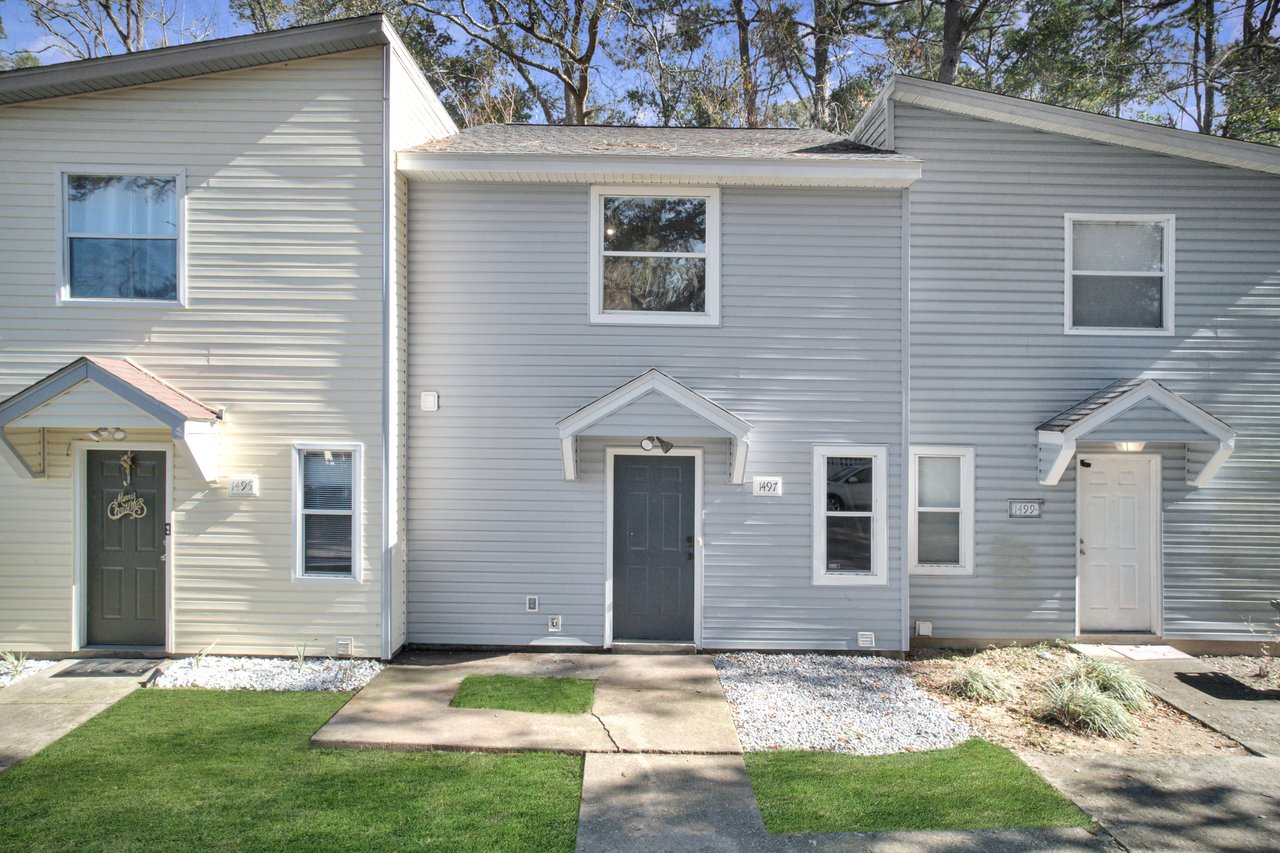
[(126, 576), (653, 548)]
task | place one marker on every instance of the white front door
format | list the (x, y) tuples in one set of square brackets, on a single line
[(1118, 522)]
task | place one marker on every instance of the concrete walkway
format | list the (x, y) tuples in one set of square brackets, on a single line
[(43, 707), (1198, 690), (644, 704)]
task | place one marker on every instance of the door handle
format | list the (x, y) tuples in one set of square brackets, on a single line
[(688, 542)]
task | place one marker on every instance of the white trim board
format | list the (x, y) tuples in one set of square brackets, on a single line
[(610, 454)]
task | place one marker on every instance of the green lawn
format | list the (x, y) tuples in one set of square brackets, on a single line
[(169, 770), (975, 785), (517, 693)]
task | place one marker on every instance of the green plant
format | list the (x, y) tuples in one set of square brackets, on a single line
[(1111, 679), (199, 657), (13, 662), (1081, 707), (979, 684), (300, 653)]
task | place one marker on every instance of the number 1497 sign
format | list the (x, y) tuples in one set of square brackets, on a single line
[(766, 486)]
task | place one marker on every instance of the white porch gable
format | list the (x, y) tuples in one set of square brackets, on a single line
[(599, 416), (1102, 417), (115, 393)]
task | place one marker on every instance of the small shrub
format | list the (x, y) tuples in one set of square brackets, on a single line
[(1081, 707), (13, 662), (979, 684), (1111, 679)]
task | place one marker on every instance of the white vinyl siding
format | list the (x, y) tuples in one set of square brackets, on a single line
[(849, 515), (283, 328), (941, 522), (704, 255), (1119, 277)]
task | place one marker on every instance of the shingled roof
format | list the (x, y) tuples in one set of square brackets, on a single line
[(594, 140)]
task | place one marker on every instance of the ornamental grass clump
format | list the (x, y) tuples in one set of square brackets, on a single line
[(1083, 708), (979, 684), (1113, 680)]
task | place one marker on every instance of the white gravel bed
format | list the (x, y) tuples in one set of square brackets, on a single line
[(232, 673), (833, 703), (29, 668)]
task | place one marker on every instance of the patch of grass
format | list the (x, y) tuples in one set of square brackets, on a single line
[(207, 770), (979, 684), (1080, 706), (520, 693), (1112, 679), (975, 785)]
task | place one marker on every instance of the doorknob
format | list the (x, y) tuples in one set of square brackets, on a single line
[(688, 542)]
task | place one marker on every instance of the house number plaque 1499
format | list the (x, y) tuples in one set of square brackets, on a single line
[(1026, 507)]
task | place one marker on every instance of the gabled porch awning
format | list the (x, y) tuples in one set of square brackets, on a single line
[(1136, 410), (90, 391), (654, 403)]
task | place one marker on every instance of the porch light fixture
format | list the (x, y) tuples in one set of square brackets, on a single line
[(104, 433), (1130, 446), (650, 442)]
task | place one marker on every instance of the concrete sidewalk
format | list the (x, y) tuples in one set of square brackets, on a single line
[(644, 703), (43, 707)]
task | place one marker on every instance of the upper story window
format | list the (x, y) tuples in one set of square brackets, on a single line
[(327, 505), (941, 521), (850, 527), (1119, 275), (122, 237), (655, 256)]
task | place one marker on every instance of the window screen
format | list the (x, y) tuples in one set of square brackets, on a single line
[(327, 512), (1119, 275), (122, 237)]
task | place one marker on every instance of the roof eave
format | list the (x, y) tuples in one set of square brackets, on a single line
[(894, 172), (191, 60), (1084, 125)]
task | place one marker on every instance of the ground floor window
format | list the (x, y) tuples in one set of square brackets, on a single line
[(849, 524), (941, 532), (327, 502)]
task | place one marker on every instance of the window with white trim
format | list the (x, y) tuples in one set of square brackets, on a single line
[(1119, 274), (850, 529), (327, 501), (122, 237), (941, 523), (655, 256)]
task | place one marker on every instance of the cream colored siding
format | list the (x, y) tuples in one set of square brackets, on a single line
[(284, 172), (416, 115)]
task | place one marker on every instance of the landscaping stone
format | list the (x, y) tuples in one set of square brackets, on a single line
[(833, 703), (29, 668), (238, 673)]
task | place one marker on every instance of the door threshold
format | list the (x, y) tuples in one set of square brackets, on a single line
[(653, 647), (156, 652)]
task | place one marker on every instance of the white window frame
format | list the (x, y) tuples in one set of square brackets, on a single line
[(879, 455), (1167, 276), (63, 293), (965, 566), (711, 314), (357, 512)]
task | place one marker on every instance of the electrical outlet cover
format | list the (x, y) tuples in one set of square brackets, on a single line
[(531, 603)]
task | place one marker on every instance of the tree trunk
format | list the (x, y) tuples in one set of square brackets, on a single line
[(953, 35), (749, 105), (822, 30)]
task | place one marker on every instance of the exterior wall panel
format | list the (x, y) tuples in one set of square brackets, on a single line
[(990, 361), (809, 352)]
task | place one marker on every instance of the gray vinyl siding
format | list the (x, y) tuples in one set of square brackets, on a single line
[(990, 361), (809, 352), (283, 328), (876, 128)]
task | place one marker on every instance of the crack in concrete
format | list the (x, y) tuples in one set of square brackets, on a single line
[(607, 733)]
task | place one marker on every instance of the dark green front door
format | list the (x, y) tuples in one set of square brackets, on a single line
[(653, 548), (126, 541)]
